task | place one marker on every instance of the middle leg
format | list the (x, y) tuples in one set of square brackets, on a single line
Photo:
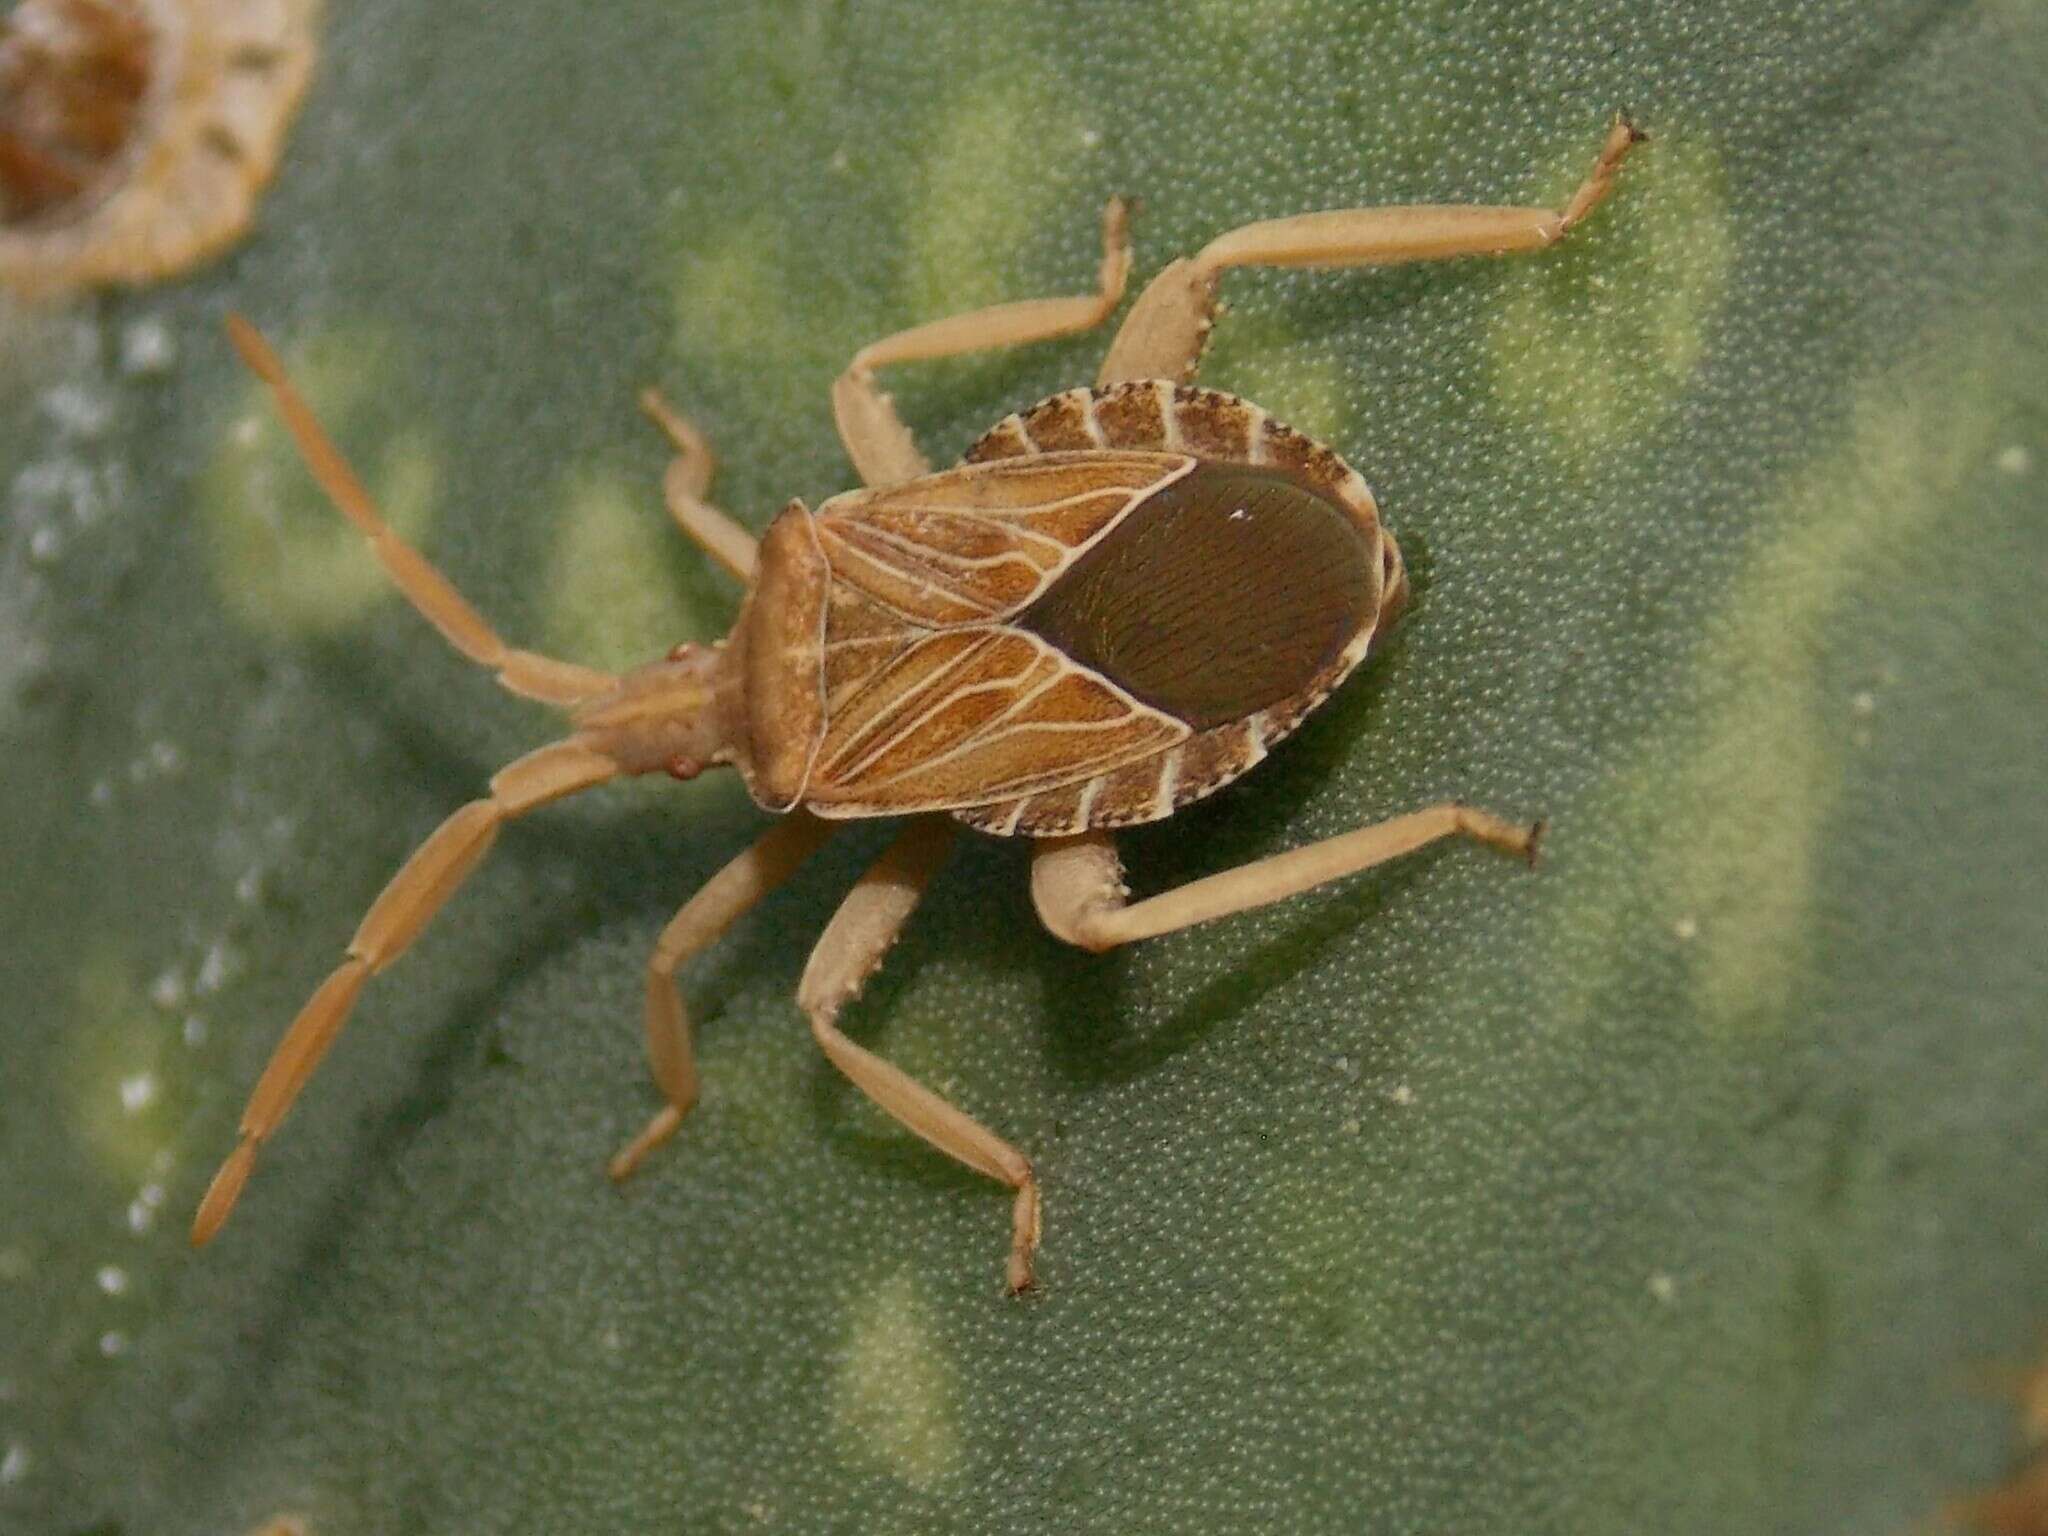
[(722, 901), (854, 942), (876, 439)]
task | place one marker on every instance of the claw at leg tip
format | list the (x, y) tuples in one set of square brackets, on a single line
[(1024, 1234)]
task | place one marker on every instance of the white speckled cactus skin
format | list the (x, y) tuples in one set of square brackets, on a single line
[(1684, 1186)]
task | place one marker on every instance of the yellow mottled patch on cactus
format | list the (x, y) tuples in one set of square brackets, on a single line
[(35, 342), (120, 1049), (1233, 19), (737, 310), (1595, 341), (285, 561), (1754, 776), (972, 211), (1255, 356), (614, 598), (893, 1389), (1268, 27), (1847, 519), (760, 1099)]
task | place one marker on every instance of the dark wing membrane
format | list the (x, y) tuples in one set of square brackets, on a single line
[(967, 716), (1231, 590), (978, 543)]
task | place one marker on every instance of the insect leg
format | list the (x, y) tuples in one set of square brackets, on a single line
[(1163, 336), (853, 944), (876, 440), (1077, 882), (684, 485), (404, 907), (522, 672), (720, 903)]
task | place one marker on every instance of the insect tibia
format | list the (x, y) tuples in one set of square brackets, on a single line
[(663, 717)]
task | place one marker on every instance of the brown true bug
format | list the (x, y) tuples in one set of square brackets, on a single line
[(1028, 643), (135, 135)]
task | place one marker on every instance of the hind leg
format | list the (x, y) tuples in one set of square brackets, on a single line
[(1077, 882), (1163, 336)]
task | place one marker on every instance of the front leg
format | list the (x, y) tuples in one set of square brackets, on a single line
[(876, 440), (687, 484), (853, 944), (1077, 882)]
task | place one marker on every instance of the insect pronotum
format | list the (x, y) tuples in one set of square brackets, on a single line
[(1118, 602)]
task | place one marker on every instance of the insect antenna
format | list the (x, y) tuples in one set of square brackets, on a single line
[(424, 883), (522, 672), (406, 905)]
